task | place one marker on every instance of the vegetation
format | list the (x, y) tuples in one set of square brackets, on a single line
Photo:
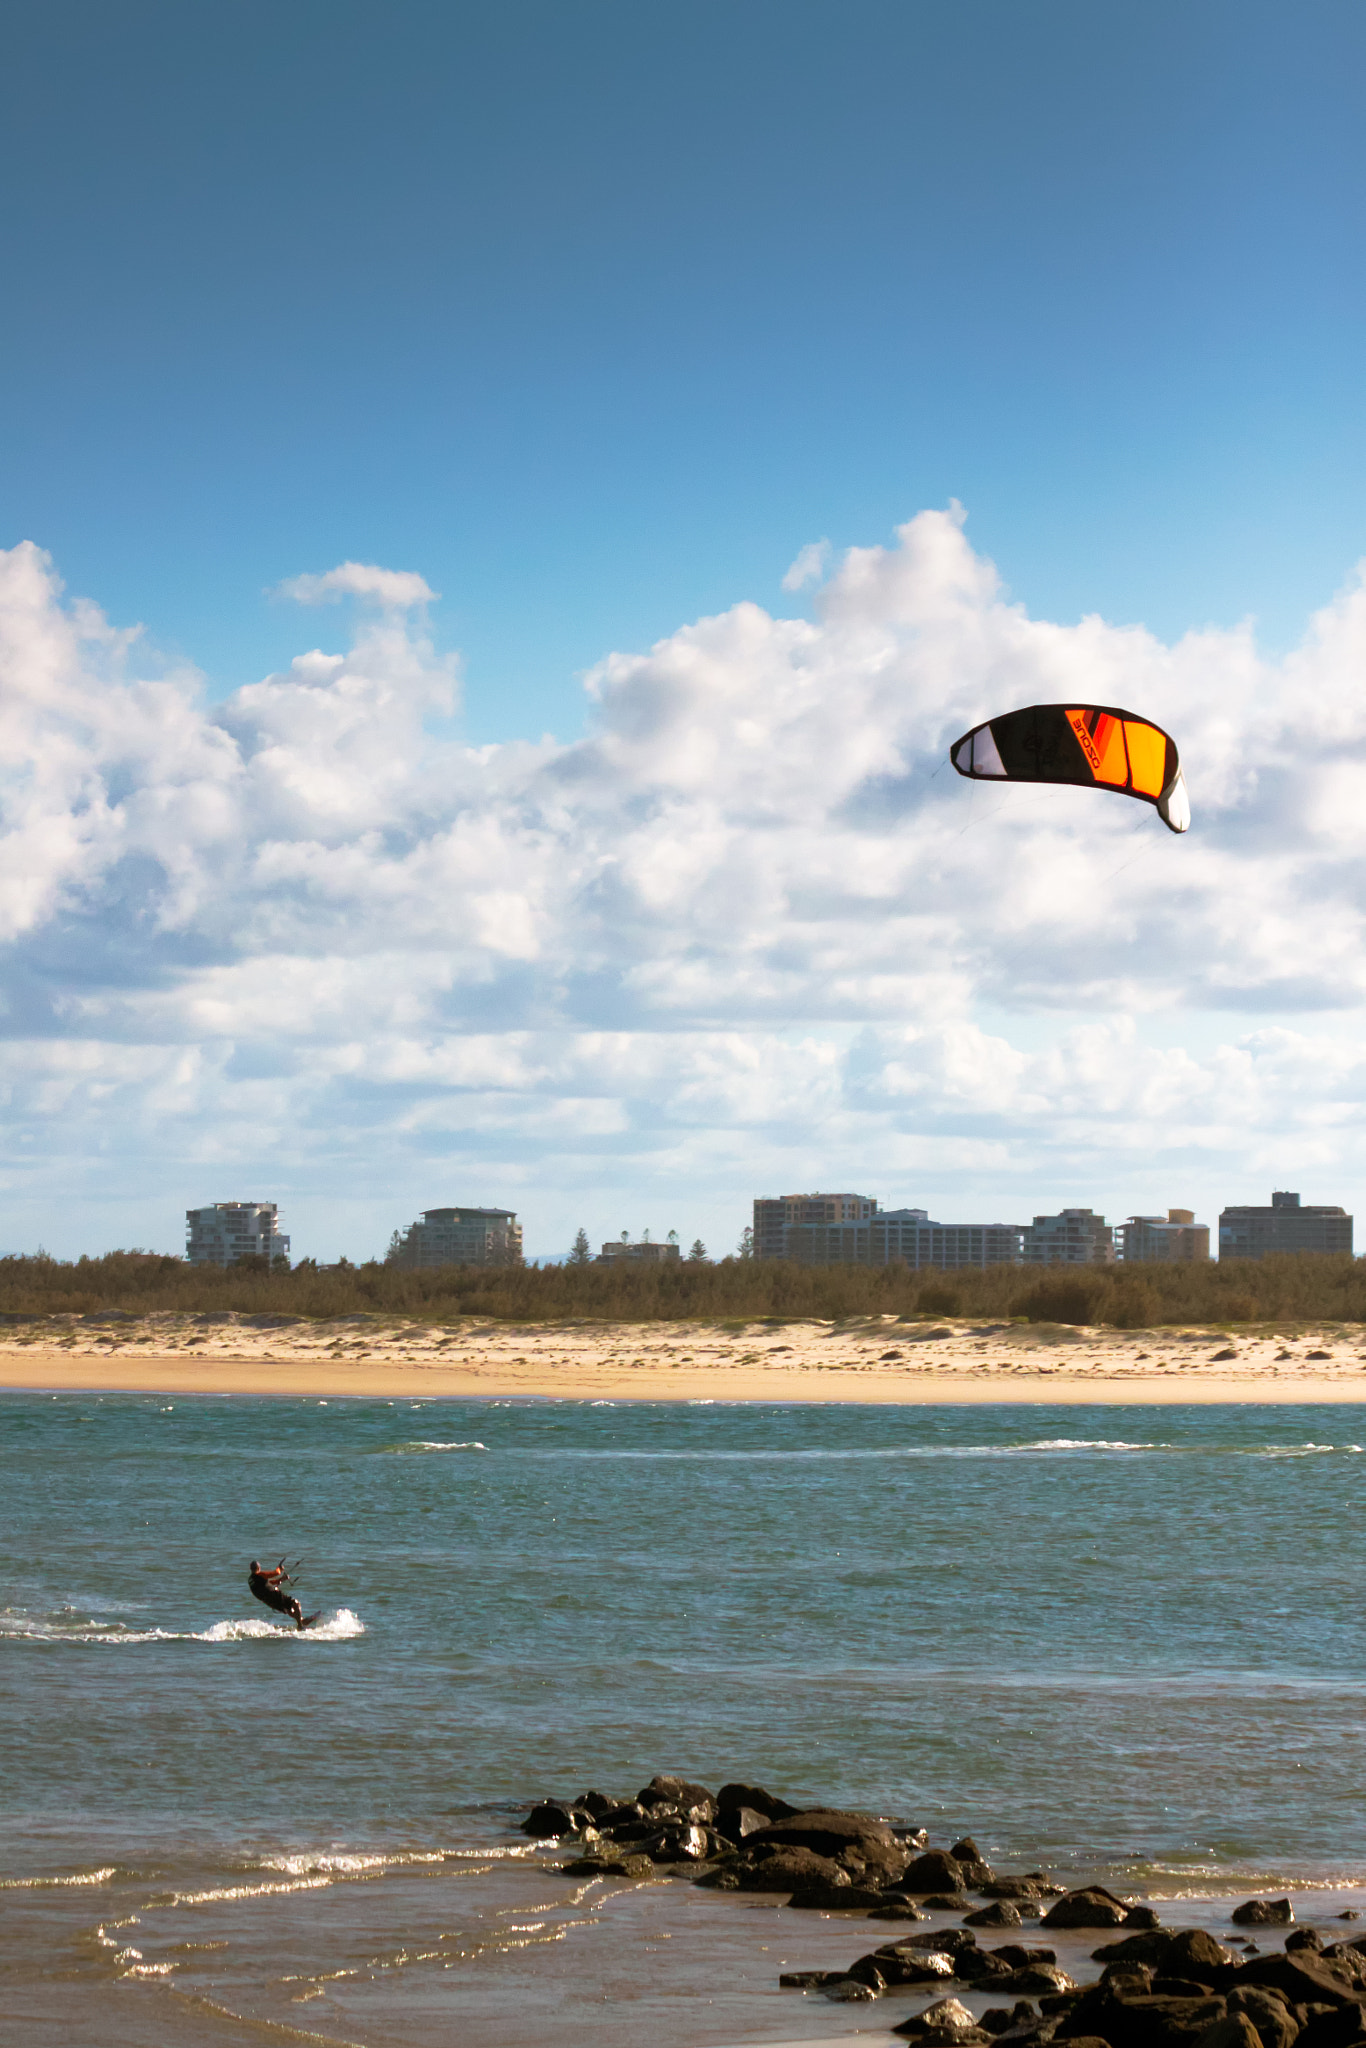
[(1303, 1289)]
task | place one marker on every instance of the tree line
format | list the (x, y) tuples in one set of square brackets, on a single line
[(1302, 1287)]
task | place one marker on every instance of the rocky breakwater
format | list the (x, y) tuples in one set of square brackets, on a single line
[(1158, 1988)]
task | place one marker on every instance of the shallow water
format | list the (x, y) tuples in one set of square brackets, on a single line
[(1126, 1641)]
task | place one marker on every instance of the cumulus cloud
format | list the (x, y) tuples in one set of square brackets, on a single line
[(394, 589), (750, 933), (809, 566)]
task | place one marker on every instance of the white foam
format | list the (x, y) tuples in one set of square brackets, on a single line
[(246, 1891), (338, 1627), (340, 1863), (423, 1444), (22, 1884)]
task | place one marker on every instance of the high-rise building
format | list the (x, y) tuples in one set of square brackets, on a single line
[(1074, 1237), (878, 1237), (1250, 1233), (776, 1217), (460, 1237), (1175, 1236), (225, 1232)]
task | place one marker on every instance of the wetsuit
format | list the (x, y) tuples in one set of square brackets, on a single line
[(271, 1595)]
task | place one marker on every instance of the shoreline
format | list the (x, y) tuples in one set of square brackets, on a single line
[(876, 1360)]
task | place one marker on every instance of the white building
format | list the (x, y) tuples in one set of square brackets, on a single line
[(1074, 1237), (460, 1237), (228, 1231)]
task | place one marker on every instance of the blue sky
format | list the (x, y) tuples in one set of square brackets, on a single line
[(593, 318), (595, 315)]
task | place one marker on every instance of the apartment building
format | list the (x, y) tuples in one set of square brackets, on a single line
[(776, 1217), (1150, 1238), (225, 1232), (1287, 1226), (460, 1237), (1074, 1237), (645, 1252)]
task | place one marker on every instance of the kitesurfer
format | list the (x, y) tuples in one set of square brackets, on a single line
[(269, 1588)]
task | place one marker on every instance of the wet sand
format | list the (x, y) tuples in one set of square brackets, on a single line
[(874, 1359)]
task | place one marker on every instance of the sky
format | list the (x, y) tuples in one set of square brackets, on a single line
[(503, 512)]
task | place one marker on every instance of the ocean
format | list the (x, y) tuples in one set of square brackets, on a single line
[(1118, 1642)]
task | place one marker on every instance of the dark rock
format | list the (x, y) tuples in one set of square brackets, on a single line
[(977, 1966), (1179, 1987), (1305, 1937), (679, 1845), (1128, 1980), (1263, 1913), (898, 1909), (950, 1941), (1141, 1917), (735, 1822), (1017, 1955), (626, 1814), (1269, 2015), (1000, 1913), (547, 1822), (662, 1791), (849, 1991), (1035, 1979), (908, 1965), (853, 1836), (933, 1872), (835, 1898), (1347, 1959), (788, 1870), (596, 1803), (609, 1862), (967, 1851), (763, 1802), (1176, 1952), (1303, 1978), (1140, 2022), (1092, 1906), (806, 1980), (1343, 2029), (948, 2020), (947, 1902), (1017, 1888), (1235, 2030)]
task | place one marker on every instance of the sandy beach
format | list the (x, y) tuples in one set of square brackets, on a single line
[(877, 1359)]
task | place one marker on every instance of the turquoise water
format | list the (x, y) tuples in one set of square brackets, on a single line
[(1116, 1639)]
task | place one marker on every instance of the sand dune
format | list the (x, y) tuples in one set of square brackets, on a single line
[(877, 1359)]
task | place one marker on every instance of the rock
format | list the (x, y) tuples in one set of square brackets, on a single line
[(1302, 1978), (1141, 1917), (967, 1851), (1000, 1913), (1176, 1952), (596, 1803), (1235, 2030), (626, 1814), (678, 1845), (1269, 2014), (1017, 1955), (1017, 1888), (1140, 2022), (735, 1822), (907, 1965), (1092, 1906), (933, 1872), (899, 1909), (548, 1821), (1263, 1913), (609, 1862), (949, 2020), (755, 1796), (806, 1980), (951, 1940), (978, 1967), (947, 1902), (836, 1898), (662, 1791), (1343, 2029), (788, 1870), (848, 1990), (1305, 1937), (1036, 1979), (867, 1848)]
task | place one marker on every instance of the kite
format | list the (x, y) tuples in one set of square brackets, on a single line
[(1091, 745)]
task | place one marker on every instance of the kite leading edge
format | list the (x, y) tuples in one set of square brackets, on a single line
[(1092, 746)]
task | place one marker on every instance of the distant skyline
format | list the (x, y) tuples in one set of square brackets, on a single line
[(574, 471)]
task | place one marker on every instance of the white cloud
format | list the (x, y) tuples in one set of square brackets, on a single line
[(809, 566), (394, 589), (751, 933)]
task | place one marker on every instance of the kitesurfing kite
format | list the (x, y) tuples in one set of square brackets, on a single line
[(1091, 745)]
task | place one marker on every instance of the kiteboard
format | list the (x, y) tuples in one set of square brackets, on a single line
[(310, 1619)]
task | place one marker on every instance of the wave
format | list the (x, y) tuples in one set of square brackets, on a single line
[(423, 1444), (339, 1627), (1057, 1446), (33, 1884)]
